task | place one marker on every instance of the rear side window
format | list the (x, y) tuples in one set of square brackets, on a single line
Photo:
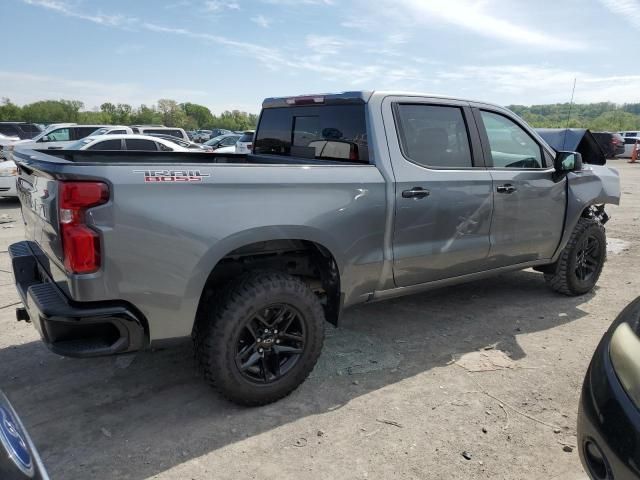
[(434, 135), (9, 130), (331, 132), (116, 132), (141, 144), (246, 138), (115, 144), (81, 132), (29, 130)]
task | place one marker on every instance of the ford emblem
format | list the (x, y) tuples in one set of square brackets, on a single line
[(14, 442)]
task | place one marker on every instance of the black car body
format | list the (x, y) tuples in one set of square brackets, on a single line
[(609, 414), (22, 130), (612, 144)]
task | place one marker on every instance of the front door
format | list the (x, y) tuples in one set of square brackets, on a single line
[(529, 201), (443, 193)]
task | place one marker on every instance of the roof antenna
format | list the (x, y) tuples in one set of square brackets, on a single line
[(569, 115)]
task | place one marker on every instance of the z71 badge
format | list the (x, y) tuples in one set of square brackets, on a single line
[(151, 176)]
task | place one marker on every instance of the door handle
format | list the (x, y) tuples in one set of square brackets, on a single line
[(416, 192), (506, 188)]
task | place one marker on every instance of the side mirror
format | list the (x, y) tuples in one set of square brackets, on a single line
[(567, 162), (46, 138)]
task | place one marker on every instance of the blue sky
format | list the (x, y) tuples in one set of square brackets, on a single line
[(233, 53)]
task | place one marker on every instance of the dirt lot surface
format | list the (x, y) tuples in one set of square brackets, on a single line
[(392, 396)]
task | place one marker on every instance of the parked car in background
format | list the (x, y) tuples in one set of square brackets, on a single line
[(202, 136), (5, 140), (113, 130), (8, 173), (609, 412), (629, 145), (22, 130), (341, 211), (612, 144), (630, 133), (183, 143), (222, 150), (173, 131), (58, 136), (245, 142), (135, 142), (226, 140)]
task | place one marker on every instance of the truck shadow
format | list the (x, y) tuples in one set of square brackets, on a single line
[(139, 415)]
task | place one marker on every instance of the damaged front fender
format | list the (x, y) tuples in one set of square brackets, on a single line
[(593, 185)]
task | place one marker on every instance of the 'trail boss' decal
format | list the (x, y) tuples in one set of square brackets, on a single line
[(151, 176)]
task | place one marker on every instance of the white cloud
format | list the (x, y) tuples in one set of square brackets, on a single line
[(261, 20), (540, 83), (324, 44), (220, 5), (629, 9), (24, 88), (65, 9), (475, 17)]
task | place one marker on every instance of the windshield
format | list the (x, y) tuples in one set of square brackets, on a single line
[(100, 131), (217, 139), (80, 143)]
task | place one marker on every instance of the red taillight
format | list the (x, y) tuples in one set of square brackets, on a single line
[(80, 244)]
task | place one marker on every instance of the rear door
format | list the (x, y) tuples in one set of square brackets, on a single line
[(529, 202), (443, 193)]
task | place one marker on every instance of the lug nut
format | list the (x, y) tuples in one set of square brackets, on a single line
[(275, 331), (277, 341), (260, 350)]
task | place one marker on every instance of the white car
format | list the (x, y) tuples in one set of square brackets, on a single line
[(55, 136), (245, 142), (8, 176), (144, 143), (173, 131), (629, 145), (4, 141), (113, 130), (231, 149)]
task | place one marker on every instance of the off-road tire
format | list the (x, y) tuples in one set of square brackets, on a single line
[(562, 275), (220, 325)]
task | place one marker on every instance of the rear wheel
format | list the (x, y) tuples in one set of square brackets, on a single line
[(262, 338), (577, 270)]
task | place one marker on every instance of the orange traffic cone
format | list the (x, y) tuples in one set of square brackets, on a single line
[(634, 154)]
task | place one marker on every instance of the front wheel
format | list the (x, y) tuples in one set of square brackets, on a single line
[(580, 264), (261, 338)]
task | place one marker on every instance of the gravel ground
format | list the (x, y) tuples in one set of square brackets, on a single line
[(392, 396)]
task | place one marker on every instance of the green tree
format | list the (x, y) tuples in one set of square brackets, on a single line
[(200, 114), (9, 111)]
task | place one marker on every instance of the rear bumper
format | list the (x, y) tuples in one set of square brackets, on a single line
[(69, 328), (607, 417)]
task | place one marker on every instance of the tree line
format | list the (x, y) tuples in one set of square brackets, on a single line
[(599, 117), (603, 116), (189, 116)]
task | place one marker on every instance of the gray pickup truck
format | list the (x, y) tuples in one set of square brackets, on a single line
[(345, 199)]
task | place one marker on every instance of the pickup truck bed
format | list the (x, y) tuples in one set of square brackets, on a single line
[(346, 198)]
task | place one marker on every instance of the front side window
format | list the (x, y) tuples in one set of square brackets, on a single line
[(328, 132), (434, 135), (511, 146), (58, 135), (141, 144), (115, 144)]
